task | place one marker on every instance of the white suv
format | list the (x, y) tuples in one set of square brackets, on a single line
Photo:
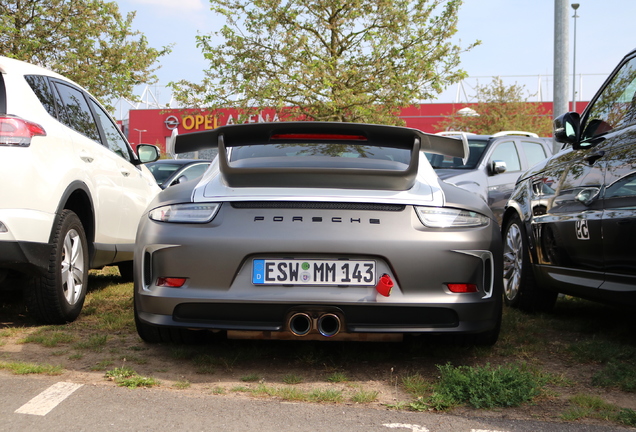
[(73, 190)]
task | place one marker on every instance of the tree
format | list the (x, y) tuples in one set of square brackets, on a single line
[(87, 41), (338, 60), (498, 108)]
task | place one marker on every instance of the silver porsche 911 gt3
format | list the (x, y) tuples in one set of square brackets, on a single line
[(318, 230)]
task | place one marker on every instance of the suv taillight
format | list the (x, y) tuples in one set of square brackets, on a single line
[(16, 131)]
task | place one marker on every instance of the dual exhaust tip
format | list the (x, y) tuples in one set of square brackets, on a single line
[(327, 324)]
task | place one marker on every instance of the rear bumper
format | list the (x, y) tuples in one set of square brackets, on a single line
[(354, 318), (216, 260), (28, 258)]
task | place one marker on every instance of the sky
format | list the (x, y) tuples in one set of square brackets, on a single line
[(517, 42)]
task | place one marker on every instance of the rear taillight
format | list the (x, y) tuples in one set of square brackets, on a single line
[(16, 131)]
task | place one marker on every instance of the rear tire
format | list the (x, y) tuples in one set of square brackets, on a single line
[(126, 271), (521, 290), (58, 296)]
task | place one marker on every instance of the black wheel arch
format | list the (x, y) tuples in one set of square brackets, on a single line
[(77, 198)]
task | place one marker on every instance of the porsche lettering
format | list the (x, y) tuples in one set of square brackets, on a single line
[(334, 219)]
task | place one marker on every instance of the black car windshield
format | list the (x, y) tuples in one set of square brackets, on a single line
[(320, 154), (477, 148), (162, 171)]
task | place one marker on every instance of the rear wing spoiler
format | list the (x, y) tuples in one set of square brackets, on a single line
[(410, 139)]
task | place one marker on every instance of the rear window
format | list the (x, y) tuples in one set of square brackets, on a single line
[(41, 88), (319, 154), (162, 171), (3, 96), (477, 148)]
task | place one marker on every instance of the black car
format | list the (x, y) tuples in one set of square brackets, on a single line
[(570, 225), (169, 172)]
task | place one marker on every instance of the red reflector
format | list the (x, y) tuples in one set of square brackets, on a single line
[(15, 131), (385, 284), (462, 288), (171, 282), (325, 137)]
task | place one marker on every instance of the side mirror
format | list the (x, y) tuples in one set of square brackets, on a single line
[(147, 153), (588, 196), (498, 167), (567, 128), (179, 180)]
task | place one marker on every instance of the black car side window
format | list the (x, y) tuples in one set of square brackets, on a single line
[(616, 105), (80, 117)]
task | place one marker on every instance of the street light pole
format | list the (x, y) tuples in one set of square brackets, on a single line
[(140, 131), (575, 6)]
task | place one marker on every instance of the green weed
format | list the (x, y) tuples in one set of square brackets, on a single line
[(126, 377), (23, 368)]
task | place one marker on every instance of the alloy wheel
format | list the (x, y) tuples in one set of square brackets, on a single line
[(513, 261)]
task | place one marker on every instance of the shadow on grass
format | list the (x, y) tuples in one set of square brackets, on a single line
[(13, 311)]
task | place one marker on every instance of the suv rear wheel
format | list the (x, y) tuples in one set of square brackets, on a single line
[(520, 286), (58, 296)]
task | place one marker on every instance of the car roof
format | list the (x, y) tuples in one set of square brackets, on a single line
[(178, 161), (10, 65), (502, 134)]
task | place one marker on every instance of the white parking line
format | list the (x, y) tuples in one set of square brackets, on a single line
[(414, 428), (43, 403)]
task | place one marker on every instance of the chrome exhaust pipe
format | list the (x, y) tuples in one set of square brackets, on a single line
[(300, 324), (329, 324)]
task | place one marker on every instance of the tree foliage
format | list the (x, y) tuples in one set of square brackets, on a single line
[(328, 60), (500, 107), (87, 41)]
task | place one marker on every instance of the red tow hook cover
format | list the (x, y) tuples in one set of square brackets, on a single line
[(384, 286)]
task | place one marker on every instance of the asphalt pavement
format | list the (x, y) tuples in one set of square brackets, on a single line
[(37, 403)]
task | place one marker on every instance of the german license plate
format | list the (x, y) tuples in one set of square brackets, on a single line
[(313, 272)]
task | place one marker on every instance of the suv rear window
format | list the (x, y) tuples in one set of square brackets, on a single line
[(3, 96), (40, 86)]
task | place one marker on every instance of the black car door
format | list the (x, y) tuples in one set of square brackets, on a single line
[(567, 220), (610, 121)]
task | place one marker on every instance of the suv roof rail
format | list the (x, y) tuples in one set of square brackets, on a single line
[(454, 133), (504, 133)]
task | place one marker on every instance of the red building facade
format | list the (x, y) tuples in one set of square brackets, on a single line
[(154, 126)]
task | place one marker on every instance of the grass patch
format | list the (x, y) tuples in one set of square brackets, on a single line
[(205, 364), (364, 396), (417, 385), (617, 374), (327, 395), (49, 337), (126, 377), (182, 385), (602, 351), (485, 386), (292, 379), (290, 394), (251, 377), (594, 407), (94, 343), (102, 365), (23, 368), (337, 377)]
